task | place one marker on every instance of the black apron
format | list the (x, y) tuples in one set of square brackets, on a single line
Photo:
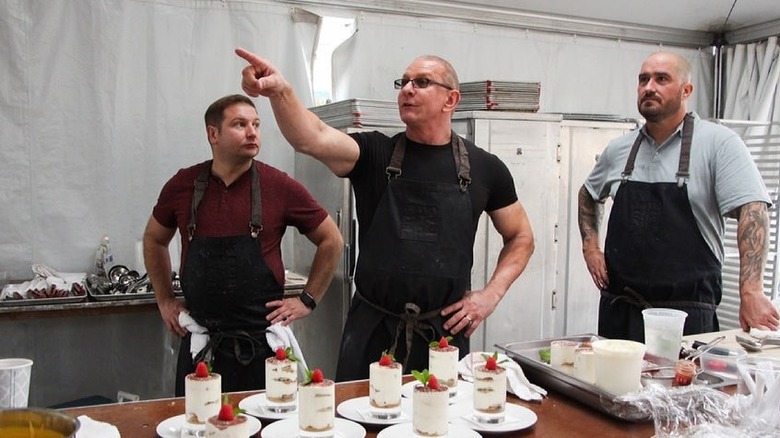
[(415, 259), (656, 255), (226, 284)]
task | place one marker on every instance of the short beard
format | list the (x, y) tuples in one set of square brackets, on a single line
[(659, 113)]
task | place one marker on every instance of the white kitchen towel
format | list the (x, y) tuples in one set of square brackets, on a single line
[(761, 333), (90, 428), (517, 383), (199, 337), (279, 335)]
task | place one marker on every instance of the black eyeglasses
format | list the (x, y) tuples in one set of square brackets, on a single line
[(418, 83)]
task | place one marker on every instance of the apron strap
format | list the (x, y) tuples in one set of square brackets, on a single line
[(635, 299), (685, 152), (255, 224), (216, 339), (410, 322), (202, 181), (632, 156), (459, 153)]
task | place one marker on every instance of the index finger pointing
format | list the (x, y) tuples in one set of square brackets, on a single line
[(250, 57)]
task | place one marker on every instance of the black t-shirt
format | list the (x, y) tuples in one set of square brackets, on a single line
[(492, 186)]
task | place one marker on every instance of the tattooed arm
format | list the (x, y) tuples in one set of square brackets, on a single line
[(589, 215), (755, 309)]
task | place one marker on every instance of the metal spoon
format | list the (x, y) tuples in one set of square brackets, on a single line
[(755, 345)]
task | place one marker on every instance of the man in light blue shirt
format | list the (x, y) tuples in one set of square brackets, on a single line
[(672, 183)]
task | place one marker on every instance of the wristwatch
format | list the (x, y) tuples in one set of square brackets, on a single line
[(307, 300)]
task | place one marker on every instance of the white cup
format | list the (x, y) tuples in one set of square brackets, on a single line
[(663, 333), (618, 365), (14, 382)]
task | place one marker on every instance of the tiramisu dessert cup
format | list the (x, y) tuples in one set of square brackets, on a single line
[(202, 392), (430, 402), (489, 391), (384, 388), (226, 424), (316, 406), (443, 363), (281, 381)]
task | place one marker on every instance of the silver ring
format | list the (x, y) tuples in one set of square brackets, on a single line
[(469, 319)]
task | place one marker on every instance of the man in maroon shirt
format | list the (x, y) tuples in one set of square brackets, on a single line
[(232, 212)]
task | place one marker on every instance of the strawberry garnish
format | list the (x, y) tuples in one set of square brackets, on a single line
[(280, 354), (201, 370), (433, 382), (386, 360), (444, 342), (226, 413), (491, 363), (426, 378), (316, 376)]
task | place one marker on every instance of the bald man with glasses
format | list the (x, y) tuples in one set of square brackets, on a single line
[(419, 196)]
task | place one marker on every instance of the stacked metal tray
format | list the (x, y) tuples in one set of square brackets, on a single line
[(360, 113), (541, 373), (492, 95)]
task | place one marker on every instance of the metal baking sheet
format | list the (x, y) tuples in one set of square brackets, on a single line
[(43, 301), (541, 373), (121, 297)]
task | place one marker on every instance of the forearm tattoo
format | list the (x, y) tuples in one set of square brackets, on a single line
[(589, 214), (752, 238)]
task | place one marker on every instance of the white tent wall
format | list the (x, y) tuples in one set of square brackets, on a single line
[(578, 74), (103, 101)]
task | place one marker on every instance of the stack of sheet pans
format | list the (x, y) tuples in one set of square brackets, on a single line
[(360, 113), (499, 96)]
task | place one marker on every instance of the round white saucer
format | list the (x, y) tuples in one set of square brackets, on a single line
[(516, 418), (465, 390), (406, 430), (256, 405), (288, 428), (171, 427), (357, 409)]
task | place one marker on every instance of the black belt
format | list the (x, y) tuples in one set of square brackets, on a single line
[(411, 321)]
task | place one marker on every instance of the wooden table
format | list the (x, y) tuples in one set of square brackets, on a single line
[(558, 416)]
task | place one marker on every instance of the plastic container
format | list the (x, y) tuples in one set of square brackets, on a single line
[(721, 362), (618, 365), (663, 333)]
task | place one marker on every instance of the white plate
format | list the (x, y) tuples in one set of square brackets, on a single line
[(517, 418), (357, 409), (255, 405), (465, 390), (171, 427), (406, 430), (288, 428)]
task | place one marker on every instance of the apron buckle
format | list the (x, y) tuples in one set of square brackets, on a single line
[(392, 172), (255, 230)]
